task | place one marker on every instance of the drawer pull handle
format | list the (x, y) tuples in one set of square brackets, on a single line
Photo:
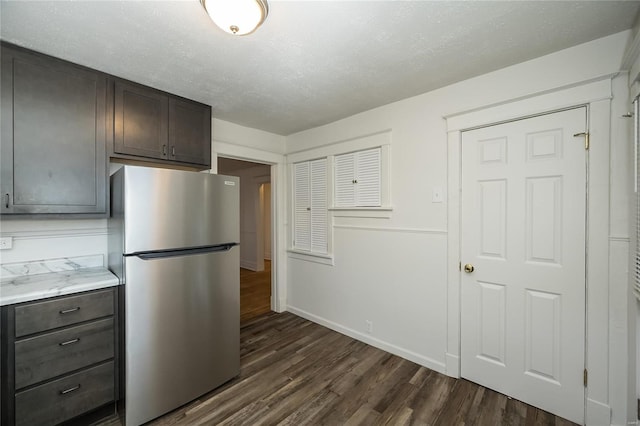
[(68, 311), (69, 342), (66, 391)]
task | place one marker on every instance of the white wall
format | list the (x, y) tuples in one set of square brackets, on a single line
[(393, 272), (251, 239), (51, 239), (231, 133)]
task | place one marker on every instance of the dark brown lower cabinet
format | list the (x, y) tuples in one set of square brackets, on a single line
[(62, 399), (67, 364)]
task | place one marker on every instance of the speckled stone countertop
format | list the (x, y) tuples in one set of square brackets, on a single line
[(25, 282)]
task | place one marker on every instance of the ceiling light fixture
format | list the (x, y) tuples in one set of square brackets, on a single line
[(238, 17)]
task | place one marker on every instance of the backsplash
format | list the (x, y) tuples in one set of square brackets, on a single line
[(33, 240)]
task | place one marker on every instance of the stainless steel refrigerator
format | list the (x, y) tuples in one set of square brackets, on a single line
[(173, 242)]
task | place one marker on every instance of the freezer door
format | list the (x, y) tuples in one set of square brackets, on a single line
[(167, 209), (182, 330)]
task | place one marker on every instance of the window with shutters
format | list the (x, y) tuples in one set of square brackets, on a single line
[(310, 207), (357, 179)]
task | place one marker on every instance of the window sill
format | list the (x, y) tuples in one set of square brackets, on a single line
[(324, 259), (376, 212)]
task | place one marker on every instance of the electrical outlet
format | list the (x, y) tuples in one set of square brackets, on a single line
[(369, 326), (6, 243)]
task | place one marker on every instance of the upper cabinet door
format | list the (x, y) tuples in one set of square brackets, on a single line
[(141, 121), (189, 132), (53, 147)]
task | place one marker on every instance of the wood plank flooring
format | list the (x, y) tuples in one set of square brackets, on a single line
[(255, 292), (295, 372)]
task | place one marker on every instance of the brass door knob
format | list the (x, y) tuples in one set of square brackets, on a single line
[(468, 268)]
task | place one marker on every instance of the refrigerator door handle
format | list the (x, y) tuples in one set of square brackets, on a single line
[(160, 254)]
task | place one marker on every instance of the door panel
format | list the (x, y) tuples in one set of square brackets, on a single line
[(542, 338), (493, 209), (523, 230), (492, 322)]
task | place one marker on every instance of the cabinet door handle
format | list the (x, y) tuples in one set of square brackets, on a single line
[(69, 342), (164, 150), (173, 151), (6, 199), (66, 391), (68, 311)]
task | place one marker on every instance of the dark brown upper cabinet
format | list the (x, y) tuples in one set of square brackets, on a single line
[(151, 124), (53, 136), (189, 131), (141, 121)]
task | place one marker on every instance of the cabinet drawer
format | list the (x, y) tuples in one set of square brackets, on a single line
[(67, 397), (42, 316), (59, 352)]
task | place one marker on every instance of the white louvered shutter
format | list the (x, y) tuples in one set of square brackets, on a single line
[(358, 179), (319, 216), (302, 205), (368, 177), (345, 189), (636, 119)]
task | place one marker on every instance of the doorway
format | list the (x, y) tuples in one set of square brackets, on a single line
[(523, 230), (255, 235)]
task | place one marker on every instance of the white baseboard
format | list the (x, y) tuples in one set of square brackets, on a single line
[(247, 264), (452, 365), (385, 346), (598, 414)]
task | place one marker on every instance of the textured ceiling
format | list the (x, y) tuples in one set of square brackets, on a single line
[(312, 62)]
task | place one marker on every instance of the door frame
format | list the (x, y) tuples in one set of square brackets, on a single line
[(596, 96), (278, 191)]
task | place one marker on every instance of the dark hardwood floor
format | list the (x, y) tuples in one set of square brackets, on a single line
[(255, 292), (295, 372)]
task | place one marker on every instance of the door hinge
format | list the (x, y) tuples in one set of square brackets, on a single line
[(586, 139), (585, 377)]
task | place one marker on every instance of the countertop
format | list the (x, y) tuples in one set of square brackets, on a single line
[(29, 281)]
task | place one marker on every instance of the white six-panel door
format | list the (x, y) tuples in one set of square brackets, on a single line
[(523, 234)]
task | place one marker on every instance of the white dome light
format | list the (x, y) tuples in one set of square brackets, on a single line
[(239, 17)]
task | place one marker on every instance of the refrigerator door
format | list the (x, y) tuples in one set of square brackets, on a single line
[(168, 209), (182, 320)]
